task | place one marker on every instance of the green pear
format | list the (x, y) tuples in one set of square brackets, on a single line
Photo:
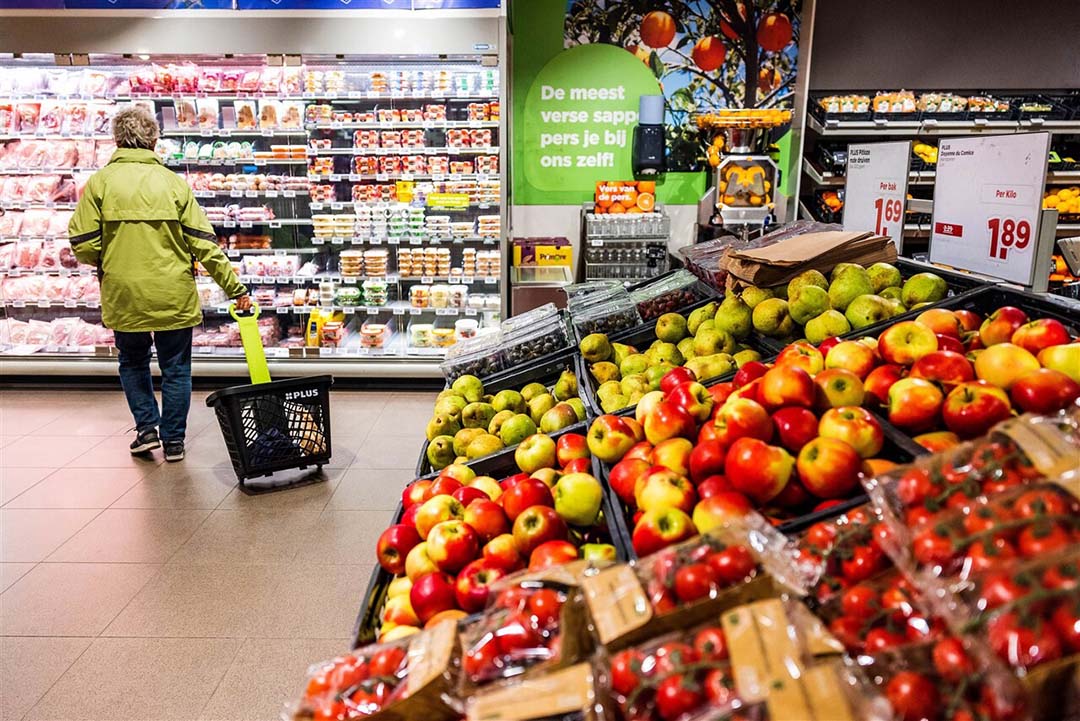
[(841, 268), (745, 356), (883, 275), (636, 363), (633, 398), (708, 324), (604, 371), (450, 405), (469, 387), (448, 393), (808, 301), (496, 422), (771, 318), (477, 415), (805, 278), (893, 292), (686, 347), (896, 307), (734, 316), (780, 291), (613, 403), (566, 387), (609, 388), (753, 296), (540, 405), (637, 382), (440, 452), (866, 310), (579, 407), (923, 288), (665, 353), (482, 446), (620, 352), (710, 342), (595, 347), (517, 429), (464, 437), (827, 325), (671, 328), (508, 400), (711, 366), (532, 390), (442, 425), (848, 286), (698, 315), (655, 373)]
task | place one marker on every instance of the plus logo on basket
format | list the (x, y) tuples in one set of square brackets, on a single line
[(296, 395)]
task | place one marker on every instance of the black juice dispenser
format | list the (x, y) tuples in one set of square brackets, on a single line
[(649, 148)]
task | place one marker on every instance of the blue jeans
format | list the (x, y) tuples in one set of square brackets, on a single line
[(174, 359)]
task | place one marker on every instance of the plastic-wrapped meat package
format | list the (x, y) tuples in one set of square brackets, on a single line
[(93, 84), (31, 154), (67, 257), (118, 87), (7, 117), (63, 83), (36, 222), (292, 81), (103, 335), (49, 258), (8, 155), (187, 78), (82, 287), (186, 115), (7, 255), (27, 254), (164, 78), (249, 82), (207, 112), (270, 80), (26, 117), (141, 80), (210, 80), (84, 154), (51, 117), (13, 188), (66, 192), (101, 119), (29, 81), (230, 80), (60, 154), (10, 224), (60, 333), (7, 83), (103, 152), (17, 331), (38, 333), (74, 122), (42, 188), (58, 223), (53, 288)]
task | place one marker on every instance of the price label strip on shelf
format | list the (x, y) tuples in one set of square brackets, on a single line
[(987, 204), (876, 188)]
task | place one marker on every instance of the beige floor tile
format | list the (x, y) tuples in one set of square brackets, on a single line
[(79, 488), (47, 451), (206, 450), (248, 536), (14, 481), (363, 489), (316, 601), (114, 452), (12, 572), (347, 537), (313, 497), (29, 535), (7, 440), (178, 485), (29, 667), (139, 679), (206, 600), (131, 535), (264, 675), (70, 599), (107, 420), (386, 451), (17, 417)]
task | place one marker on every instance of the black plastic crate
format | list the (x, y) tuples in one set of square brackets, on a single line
[(824, 116), (275, 426), (1057, 110), (546, 371), (499, 465)]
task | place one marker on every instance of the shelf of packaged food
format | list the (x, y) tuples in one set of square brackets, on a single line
[(426, 150), (427, 239), (274, 223), (232, 132), (30, 204), (303, 194), (69, 304), (402, 125), (46, 171), (394, 307), (947, 127), (217, 162), (391, 177), (255, 95), (51, 136), (237, 252), (345, 205)]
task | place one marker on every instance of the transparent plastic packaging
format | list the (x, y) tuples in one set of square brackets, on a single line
[(527, 342), (842, 551), (606, 317), (481, 356), (668, 294)]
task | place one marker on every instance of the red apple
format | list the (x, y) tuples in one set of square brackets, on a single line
[(432, 593), (658, 529), (708, 431), (706, 459), (942, 321), (578, 465), (945, 367), (720, 509), (417, 563), (552, 553), (795, 427), (624, 475), (502, 552), (487, 519), (415, 493), (787, 386), (398, 611), (676, 377), (1000, 326), (713, 485), (647, 404), (610, 437), (720, 393), (802, 355), (693, 398), (511, 481), (947, 342), (750, 391), (444, 485), (937, 441), (452, 544), (394, 545), (537, 525), (459, 472), (642, 451), (467, 494), (743, 418), (674, 453), (914, 404), (663, 488), (526, 493), (636, 429), (827, 345), (749, 372), (829, 468), (794, 497), (436, 510), (851, 355), (473, 584), (1044, 391), (837, 387), (758, 470), (972, 408), (571, 446), (969, 321), (409, 517), (855, 426), (906, 342), (668, 420), (1003, 364), (880, 380)]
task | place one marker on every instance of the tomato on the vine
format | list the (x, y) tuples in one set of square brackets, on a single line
[(951, 660), (695, 581), (915, 486), (880, 639), (719, 687), (626, 671), (984, 518), (865, 561), (671, 657), (1023, 642), (1040, 502), (1065, 574), (860, 602), (982, 555), (733, 564), (545, 604), (848, 631), (933, 546), (1043, 537), (386, 662), (711, 644), (676, 696), (913, 696), (821, 536), (481, 658), (918, 516), (1000, 589), (516, 633)]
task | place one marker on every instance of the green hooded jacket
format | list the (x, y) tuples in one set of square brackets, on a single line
[(139, 224)]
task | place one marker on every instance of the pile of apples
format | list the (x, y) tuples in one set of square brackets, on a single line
[(461, 532)]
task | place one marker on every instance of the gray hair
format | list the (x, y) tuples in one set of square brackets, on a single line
[(135, 127)]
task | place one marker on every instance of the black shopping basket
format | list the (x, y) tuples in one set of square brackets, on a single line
[(272, 426)]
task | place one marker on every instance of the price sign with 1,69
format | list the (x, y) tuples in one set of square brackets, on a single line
[(987, 203), (876, 188)]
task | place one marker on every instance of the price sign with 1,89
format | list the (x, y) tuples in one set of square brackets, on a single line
[(876, 188)]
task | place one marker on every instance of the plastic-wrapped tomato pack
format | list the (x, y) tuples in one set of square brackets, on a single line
[(844, 551)]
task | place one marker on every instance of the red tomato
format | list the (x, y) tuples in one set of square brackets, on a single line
[(982, 555), (711, 644), (1000, 589), (1020, 644), (1066, 620), (671, 657), (626, 671), (332, 711), (545, 605), (695, 581), (913, 696), (1043, 537), (933, 546), (1040, 502), (880, 639), (860, 517), (516, 633), (820, 536), (951, 660), (719, 687), (1062, 575), (919, 628), (513, 598), (733, 564), (918, 516), (481, 657), (915, 486), (848, 631), (676, 696), (865, 561), (860, 602), (882, 534), (984, 518), (386, 662)]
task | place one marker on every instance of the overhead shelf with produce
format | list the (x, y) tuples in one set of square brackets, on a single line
[(360, 200)]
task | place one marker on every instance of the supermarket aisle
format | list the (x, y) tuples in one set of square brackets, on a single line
[(136, 589)]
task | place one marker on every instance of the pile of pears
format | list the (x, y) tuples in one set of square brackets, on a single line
[(852, 298), (708, 341), (468, 423)]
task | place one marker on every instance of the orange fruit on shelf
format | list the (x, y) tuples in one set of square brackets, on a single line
[(646, 186), (645, 202), (774, 32), (657, 29), (616, 209), (708, 53)]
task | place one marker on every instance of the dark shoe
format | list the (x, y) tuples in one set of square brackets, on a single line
[(174, 451), (146, 441)]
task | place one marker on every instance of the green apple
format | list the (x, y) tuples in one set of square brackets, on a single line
[(577, 499), (598, 552), (558, 417)]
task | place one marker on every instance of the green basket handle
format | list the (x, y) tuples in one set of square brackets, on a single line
[(252, 342)]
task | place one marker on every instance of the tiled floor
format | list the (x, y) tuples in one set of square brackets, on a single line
[(135, 589)]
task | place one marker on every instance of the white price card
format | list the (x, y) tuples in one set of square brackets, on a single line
[(987, 203), (876, 188)]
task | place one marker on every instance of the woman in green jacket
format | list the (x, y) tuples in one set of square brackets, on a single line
[(139, 224)]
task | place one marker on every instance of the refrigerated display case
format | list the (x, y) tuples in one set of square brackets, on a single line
[(360, 199)]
